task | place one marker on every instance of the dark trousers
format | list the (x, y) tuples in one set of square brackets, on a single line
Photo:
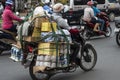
[(75, 47), (13, 29)]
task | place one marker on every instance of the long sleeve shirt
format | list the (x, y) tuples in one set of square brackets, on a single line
[(60, 21), (88, 13), (96, 10), (8, 17)]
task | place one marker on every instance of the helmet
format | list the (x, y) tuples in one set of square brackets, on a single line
[(89, 3), (66, 8), (58, 7), (9, 2), (45, 1), (95, 3)]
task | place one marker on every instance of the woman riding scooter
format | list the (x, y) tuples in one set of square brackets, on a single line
[(8, 31), (8, 17)]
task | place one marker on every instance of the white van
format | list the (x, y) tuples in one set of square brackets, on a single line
[(112, 7)]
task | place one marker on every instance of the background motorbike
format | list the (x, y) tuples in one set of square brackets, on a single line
[(88, 27), (117, 31), (6, 39)]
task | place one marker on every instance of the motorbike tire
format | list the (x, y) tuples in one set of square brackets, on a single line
[(1, 51), (86, 56), (109, 32), (33, 76), (118, 38)]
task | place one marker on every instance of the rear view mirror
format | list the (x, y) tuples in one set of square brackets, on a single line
[(17, 13)]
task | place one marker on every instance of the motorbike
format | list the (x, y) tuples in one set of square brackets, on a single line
[(6, 39), (45, 59), (86, 60), (117, 31), (88, 27), (86, 56)]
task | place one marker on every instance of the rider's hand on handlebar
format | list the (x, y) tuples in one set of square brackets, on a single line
[(21, 21), (74, 31)]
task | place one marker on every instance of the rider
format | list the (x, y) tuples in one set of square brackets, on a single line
[(89, 15), (97, 12), (8, 17), (57, 8)]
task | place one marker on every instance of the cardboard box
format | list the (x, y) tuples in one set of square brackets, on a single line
[(36, 32), (31, 39), (18, 44), (38, 21), (47, 49), (50, 48), (46, 26), (38, 68)]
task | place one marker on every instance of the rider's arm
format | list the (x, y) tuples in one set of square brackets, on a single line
[(97, 10), (60, 21), (14, 17)]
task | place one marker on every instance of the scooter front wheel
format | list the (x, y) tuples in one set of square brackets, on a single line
[(88, 57)]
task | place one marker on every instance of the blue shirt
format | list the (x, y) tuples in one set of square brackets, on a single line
[(96, 10)]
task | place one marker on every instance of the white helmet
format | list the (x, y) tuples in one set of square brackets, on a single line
[(66, 8), (45, 1), (58, 7)]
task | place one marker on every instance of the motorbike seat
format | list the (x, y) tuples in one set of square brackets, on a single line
[(9, 32), (89, 23)]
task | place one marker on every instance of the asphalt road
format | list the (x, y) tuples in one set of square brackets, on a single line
[(107, 67)]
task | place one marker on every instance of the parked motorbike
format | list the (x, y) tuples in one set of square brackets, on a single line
[(117, 31), (88, 27), (6, 39)]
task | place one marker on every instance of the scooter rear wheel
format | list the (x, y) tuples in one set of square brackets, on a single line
[(108, 32), (39, 75), (85, 35), (88, 57)]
